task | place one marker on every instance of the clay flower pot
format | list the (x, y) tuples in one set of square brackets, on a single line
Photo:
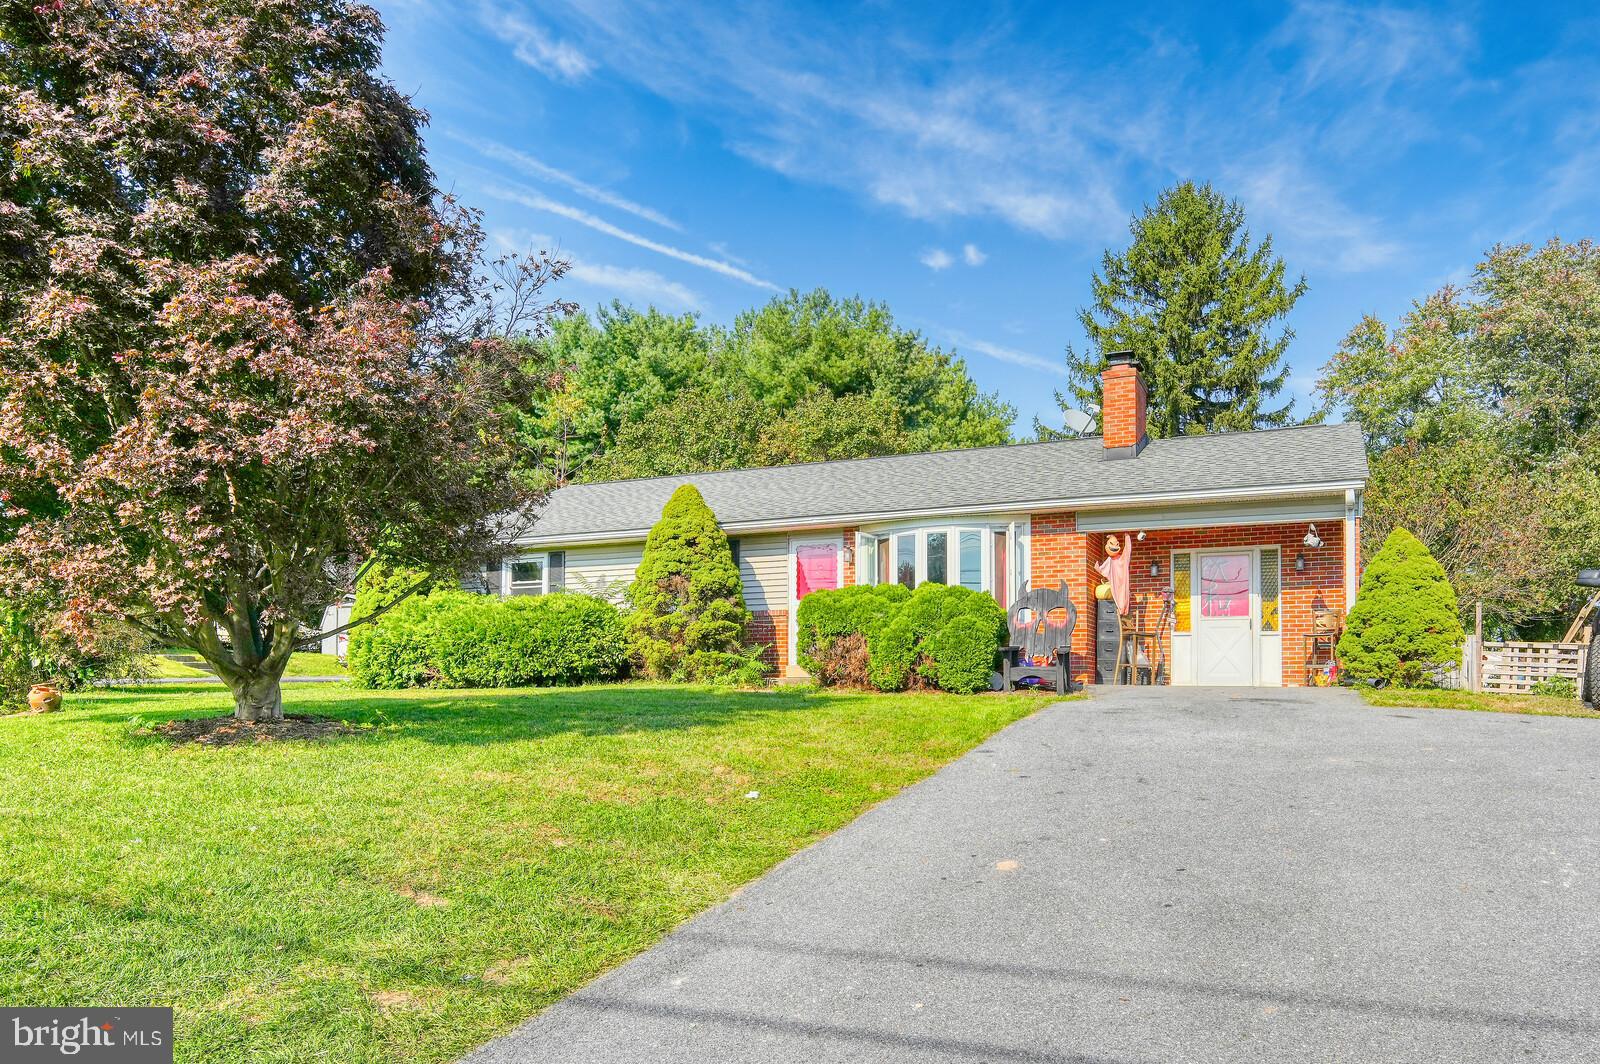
[(44, 697)]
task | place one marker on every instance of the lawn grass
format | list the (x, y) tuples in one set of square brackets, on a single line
[(158, 667), (407, 892), (1482, 702)]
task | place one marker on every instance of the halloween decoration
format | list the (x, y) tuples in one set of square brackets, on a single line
[(1041, 623), (1119, 556)]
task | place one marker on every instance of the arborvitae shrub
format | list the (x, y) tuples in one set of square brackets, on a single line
[(687, 618), (1405, 621)]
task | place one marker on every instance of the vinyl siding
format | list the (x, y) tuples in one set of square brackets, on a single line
[(589, 569), (763, 568), (764, 571)]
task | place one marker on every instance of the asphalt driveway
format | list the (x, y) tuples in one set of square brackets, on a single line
[(1159, 876)]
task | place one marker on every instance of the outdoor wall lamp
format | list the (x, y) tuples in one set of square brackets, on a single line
[(1300, 562), (1155, 568), (849, 555)]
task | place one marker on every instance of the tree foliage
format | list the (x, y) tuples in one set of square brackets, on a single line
[(1202, 308), (1405, 620), (687, 618), (804, 378), (1482, 409), (242, 340)]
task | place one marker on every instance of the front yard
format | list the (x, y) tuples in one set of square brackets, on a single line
[(404, 893)]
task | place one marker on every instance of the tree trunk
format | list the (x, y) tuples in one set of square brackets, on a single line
[(257, 698)]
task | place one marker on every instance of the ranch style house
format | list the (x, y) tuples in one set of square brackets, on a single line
[(1244, 544)]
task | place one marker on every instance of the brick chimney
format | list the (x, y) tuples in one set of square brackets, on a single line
[(1122, 406)]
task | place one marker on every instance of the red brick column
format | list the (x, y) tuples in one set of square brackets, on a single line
[(1059, 553)]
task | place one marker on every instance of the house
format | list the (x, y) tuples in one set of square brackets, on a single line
[(1253, 533)]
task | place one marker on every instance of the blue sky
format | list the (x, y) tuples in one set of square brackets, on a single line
[(969, 167)]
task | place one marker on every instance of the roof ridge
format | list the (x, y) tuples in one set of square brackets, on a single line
[(1077, 440)]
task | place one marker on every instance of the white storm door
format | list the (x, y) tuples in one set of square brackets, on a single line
[(815, 564), (1224, 620)]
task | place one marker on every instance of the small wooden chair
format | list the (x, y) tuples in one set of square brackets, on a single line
[(1041, 624)]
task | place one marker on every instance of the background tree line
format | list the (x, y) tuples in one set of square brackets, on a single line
[(805, 378)]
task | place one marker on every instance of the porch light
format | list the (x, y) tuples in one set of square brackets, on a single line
[(849, 555), (1155, 567), (1300, 562)]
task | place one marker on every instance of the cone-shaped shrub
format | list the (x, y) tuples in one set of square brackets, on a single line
[(1405, 621), (686, 617)]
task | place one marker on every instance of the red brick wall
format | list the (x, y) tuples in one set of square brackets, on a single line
[(1062, 553), (771, 630), (1122, 407)]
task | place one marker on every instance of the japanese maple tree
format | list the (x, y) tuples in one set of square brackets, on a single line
[(244, 341)]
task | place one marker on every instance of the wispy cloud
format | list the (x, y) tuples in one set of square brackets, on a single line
[(646, 286), (616, 281), (814, 103), (535, 201), (1308, 219), (1374, 46), (532, 44), (937, 259), (1006, 354), (532, 167), (972, 256)]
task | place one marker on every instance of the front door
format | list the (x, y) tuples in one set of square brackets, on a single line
[(815, 564), (1225, 620)]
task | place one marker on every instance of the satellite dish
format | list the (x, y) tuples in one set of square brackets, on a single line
[(1077, 423)]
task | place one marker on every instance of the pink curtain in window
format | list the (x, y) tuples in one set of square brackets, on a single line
[(816, 569)]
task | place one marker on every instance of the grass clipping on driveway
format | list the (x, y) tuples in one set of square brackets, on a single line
[(407, 891), (1481, 701)]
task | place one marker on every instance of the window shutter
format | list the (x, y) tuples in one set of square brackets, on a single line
[(555, 571), (733, 545), (491, 578)]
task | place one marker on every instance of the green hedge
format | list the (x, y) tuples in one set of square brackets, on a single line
[(937, 636), (456, 639), (831, 627)]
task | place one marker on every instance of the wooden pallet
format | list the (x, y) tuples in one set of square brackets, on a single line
[(1516, 668)]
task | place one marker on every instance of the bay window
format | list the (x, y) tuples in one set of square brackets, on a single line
[(986, 558)]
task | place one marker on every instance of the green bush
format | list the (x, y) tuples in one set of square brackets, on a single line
[(1556, 687), (687, 618), (832, 627), (397, 650), (942, 636), (525, 642), (1405, 620), (455, 639)]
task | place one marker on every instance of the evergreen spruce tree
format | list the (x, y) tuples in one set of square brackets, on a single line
[(1198, 304), (1405, 620), (687, 617)]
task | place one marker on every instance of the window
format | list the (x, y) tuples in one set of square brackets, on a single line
[(905, 559), (1001, 584), (528, 575), (1271, 581), (970, 560), (866, 559), (938, 558), (1181, 590)]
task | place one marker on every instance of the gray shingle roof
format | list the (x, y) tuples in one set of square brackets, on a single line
[(998, 478)]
